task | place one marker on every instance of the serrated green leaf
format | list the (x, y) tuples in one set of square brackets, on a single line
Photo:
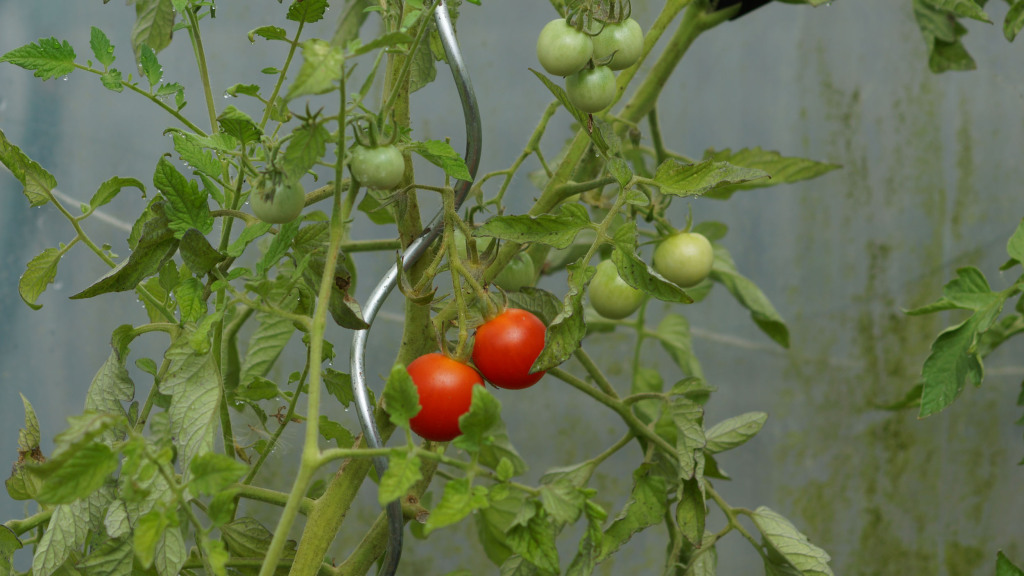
[(306, 10), (9, 543), (193, 154), (279, 246), (493, 522), (339, 385), (401, 397), (50, 58), (39, 273), (402, 474), (388, 40), (781, 169), (111, 80), (187, 206), (691, 512), (1015, 245), (697, 179), (189, 294), (154, 25), (307, 145), (150, 65), (101, 47), (562, 500), (535, 542), (110, 388), (69, 528), (1006, 568), (542, 303), (780, 534), (961, 8), (942, 33), (238, 125), (109, 190), (213, 472), (750, 297), (706, 564), (78, 473), (498, 449), (250, 233), (1014, 21), (37, 181), (193, 383), (953, 361), (265, 345), (480, 422), (674, 334), (646, 507), (322, 67), (688, 417), (557, 230), (457, 502), (969, 290), (735, 431), (197, 253), (333, 431), (269, 33), (567, 330), (442, 155)]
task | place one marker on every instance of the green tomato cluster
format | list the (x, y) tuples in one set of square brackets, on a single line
[(684, 259), (587, 61)]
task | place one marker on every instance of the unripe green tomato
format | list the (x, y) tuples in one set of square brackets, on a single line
[(625, 39), (610, 295), (382, 167), (591, 90), (278, 204), (563, 50), (517, 274), (684, 258)]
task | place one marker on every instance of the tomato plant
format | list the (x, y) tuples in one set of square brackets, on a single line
[(562, 49), (380, 167), (624, 39), (591, 89), (609, 294), (278, 204), (506, 347), (445, 388), (684, 258)]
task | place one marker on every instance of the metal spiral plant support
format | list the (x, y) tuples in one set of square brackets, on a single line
[(413, 253)]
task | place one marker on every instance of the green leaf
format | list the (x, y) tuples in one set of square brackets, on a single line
[(307, 10), (25, 480), (29, 436), (213, 472), (70, 526), (77, 474), (969, 290), (9, 543), (961, 8), (401, 398), (457, 502), (557, 230), (109, 189), (238, 125), (388, 40), (279, 246), (339, 385), (1006, 568), (562, 500), (195, 155), (697, 179), (706, 564), (154, 24), (735, 431), (39, 273), (541, 302), (307, 145), (187, 206), (247, 538), (150, 65), (101, 47), (596, 135), (197, 253), (781, 169), (750, 297), (111, 80), (674, 334), (442, 155), (269, 33), (782, 537), (1015, 246), (498, 450), (250, 233), (646, 507), (265, 345), (402, 474), (1014, 21), (535, 542), (189, 294), (322, 66), (193, 383), (37, 181), (942, 33), (480, 422), (691, 512), (567, 330), (257, 389), (953, 361), (635, 271), (688, 417), (493, 522), (110, 388), (50, 58)]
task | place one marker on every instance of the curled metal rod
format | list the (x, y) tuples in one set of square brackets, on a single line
[(415, 250)]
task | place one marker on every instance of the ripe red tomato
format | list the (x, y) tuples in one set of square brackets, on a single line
[(507, 346), (446, 391)]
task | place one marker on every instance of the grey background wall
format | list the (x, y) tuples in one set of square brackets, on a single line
[(930, 183)]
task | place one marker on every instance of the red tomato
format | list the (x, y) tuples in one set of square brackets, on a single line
[(446, 391), (507, 346)]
